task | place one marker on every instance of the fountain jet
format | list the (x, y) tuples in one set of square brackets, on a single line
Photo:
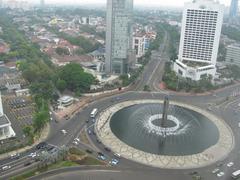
[(165, 112)]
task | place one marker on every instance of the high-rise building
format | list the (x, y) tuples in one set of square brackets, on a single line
[(233, 55), (138, 44), (118, 36), (201, 29), (42, 3), (233, 9)]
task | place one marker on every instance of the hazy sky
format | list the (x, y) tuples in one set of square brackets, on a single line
[(136, 2)]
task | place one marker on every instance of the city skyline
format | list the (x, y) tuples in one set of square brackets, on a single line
[(173, 3)]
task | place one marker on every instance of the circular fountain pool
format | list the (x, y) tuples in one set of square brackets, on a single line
[(187, 132), (188, 137)]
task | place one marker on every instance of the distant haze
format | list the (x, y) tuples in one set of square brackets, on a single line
[(173, 3)]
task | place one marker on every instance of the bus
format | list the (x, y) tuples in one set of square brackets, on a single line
[(236, 174), (94, 113)]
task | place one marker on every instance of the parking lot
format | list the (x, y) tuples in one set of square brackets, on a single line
[(20, 112)]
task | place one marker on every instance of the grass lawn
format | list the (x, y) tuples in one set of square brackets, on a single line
[(40, 170), (90, 161), (76, 151)]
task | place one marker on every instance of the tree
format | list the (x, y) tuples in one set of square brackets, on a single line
[(61, 85), (146, 88), (27, 130), (62, 51), (75, 77)]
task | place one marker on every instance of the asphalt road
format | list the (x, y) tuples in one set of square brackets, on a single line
[(216, 103), (224, 111)]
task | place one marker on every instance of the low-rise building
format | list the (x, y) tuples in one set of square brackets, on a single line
[(233, 55), (65, 101), (6, 130), (22, 92), (138, 44)]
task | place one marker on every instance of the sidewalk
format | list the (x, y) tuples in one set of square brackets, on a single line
[(163, 88), (44, 135)]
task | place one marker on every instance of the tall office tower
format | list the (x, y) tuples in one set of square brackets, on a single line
[(233, 9), (201, 29), (42, 3), (118, 36)]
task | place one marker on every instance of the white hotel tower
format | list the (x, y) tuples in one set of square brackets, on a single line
[(201, 29)]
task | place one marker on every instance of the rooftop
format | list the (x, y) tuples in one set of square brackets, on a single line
[(65, 99), (4, 120)]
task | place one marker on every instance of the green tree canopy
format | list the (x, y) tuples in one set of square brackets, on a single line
[(75, 77)]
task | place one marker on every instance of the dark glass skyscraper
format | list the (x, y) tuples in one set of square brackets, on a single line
[(118, 35), (234, 9)]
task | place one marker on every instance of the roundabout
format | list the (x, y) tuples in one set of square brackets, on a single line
[(189, 138)]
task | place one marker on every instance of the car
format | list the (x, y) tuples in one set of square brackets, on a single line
[(87, 120), (98, 141), (230, 164), (77, 139), (15, 155), (27, 163), (6, 167), (118, 98), (220, 164), (100, 154), (193, 173), (89, 132), (107, 149), (215, 171), (75, 142), (49, 148), (93, 120), (103, 158), (32, 155), (41, 145), (64, 131), (117, 155), (220, 174), (89, 151), (114, 162), (209, 109)]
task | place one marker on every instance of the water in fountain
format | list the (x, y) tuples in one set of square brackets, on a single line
[(185, 131)]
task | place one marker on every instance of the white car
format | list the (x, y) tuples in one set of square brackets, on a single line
[(77, 139), (117, 155), (75, 142), (215, 171), (220, 174), (114, 162), (230, 164), (14, 155), (6, 167), (64, 131), (33, 155)]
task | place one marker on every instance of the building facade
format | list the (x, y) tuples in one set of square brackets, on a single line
[(6, 130), (233, 55), (42, 3), (118, 36), (201, 29), (139, 45), (233, 12)]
